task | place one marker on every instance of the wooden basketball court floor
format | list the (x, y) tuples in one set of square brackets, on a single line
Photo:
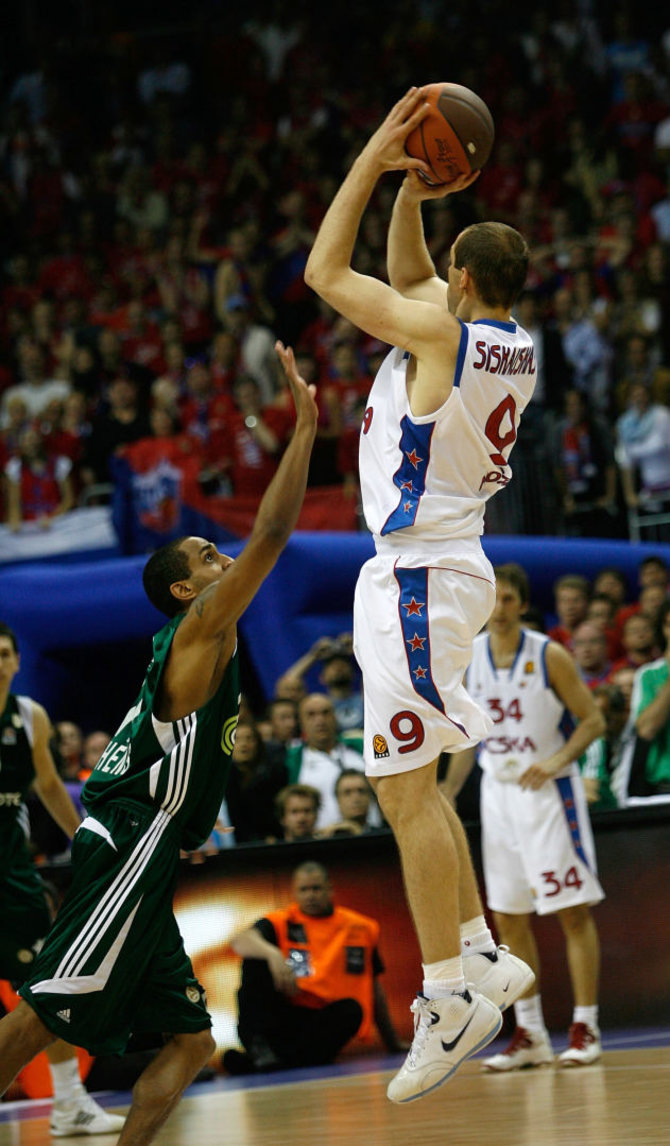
[(623, 1100)]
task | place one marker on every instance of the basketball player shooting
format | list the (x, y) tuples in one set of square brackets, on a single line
[(441, 421)]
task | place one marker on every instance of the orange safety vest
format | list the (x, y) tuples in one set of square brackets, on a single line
[(332, 956)]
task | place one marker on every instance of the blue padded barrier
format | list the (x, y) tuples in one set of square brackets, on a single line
[(74, 622)]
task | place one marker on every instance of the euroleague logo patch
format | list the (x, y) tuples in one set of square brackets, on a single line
[(228, 735), (380, 746)]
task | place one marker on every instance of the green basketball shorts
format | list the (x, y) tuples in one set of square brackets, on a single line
[(114, 962)]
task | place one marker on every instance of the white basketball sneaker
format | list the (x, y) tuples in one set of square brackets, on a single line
[(446, 1032), (499, 975), (83, 1116), (527, 1048), (585, 1046)]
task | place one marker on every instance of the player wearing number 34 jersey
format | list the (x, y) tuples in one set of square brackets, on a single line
[(537, 843)]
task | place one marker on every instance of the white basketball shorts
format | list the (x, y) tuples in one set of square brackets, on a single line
[(414, 624), (537, 846)]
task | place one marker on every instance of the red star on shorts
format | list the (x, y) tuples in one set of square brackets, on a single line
[(420, 673), (406, 485), (407, 506), (416, 643), (413, 458), (414, 608)]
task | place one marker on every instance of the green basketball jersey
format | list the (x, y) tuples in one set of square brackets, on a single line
[(179, 767), (17, 773)]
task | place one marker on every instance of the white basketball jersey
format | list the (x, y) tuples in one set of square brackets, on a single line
[(431, 476), (530, 723)]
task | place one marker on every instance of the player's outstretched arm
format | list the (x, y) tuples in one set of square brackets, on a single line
[(218, 608)]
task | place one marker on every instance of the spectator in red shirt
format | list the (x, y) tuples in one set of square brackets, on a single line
[(202, 411), (255, 439), (638, 638), (348, 381), (613, 584), (141, 339), (652, 571), (571, 594), (601, 612), (39, 485)]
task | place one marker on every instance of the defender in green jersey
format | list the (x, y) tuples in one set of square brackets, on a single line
[(114, 962), (26, 762)]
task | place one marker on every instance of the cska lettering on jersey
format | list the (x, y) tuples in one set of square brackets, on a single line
[(496, 744), (497, 359)]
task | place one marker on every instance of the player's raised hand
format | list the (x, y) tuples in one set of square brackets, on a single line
[(304, 395), (386, 148)]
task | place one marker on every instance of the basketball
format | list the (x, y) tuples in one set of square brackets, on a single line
[(456, 136)]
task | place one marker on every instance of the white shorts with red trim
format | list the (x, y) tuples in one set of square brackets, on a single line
[(537, 846), (414, 624)]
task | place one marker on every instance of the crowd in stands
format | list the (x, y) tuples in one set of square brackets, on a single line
[(297, 770), (160, 190)]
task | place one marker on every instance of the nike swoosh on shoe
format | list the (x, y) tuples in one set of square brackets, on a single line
[(454, 1043)]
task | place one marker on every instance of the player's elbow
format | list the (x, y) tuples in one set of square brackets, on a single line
[(316, 276), (324, 276)]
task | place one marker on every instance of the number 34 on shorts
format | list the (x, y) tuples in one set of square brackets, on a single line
[(406, 728), (554, 882)]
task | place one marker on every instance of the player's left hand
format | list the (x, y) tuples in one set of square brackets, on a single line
[(417, 187)]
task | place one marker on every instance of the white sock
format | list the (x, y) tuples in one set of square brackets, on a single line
[(443, 978), (67, 1084), (588, 1015), (528, 1014), (476, 937)]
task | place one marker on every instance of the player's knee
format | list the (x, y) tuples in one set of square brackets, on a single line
[(204, 1046), (404, 796), (196, 1046), (200, 1046), (575, 918)]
